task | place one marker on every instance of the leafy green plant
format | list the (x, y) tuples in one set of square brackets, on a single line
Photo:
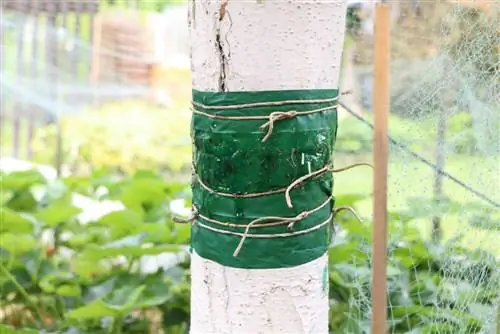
[(73, 279), (461, 133), (431, 288), (88, 275)]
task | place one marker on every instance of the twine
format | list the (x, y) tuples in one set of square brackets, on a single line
[(191, 218), (264, 236), (244, 195), (347, 208), (300, 181), (263, 104), (319, 172), (271, 118), (256, 223), (270, 220), (335, 212)]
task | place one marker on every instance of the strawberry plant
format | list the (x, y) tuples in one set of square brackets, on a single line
[(76, 253)]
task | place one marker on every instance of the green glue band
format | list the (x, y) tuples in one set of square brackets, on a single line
[(244, 177)]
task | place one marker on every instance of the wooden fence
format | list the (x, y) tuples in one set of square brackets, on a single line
[(34, 52), (47, 44)]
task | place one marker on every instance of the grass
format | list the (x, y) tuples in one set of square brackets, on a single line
[(411, 179)]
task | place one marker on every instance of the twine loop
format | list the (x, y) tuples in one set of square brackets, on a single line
[(271, 118), (300, 216), (276, 116), (291, 221), (346, 208), (191, 219), (256, 223), (271, 220), (268, 126), (298, 182)]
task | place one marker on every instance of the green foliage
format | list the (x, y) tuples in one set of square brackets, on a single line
[(353, 20), (74, 280), (431, 288), (354, 137), (74, 283), (124, 136), (461, 133)]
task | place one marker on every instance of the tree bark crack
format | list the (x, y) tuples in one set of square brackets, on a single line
[(220, 44)]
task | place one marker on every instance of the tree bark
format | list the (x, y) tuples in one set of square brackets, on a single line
[(242, 46)]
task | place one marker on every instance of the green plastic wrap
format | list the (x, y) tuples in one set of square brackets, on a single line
[(230, 157)]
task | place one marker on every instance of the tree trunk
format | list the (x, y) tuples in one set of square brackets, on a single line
[(263, 47)]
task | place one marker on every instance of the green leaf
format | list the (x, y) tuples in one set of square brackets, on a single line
[(141, 191), (441, 328), (22, 277), (147, 174), (181, 234), (83, 235), (413, 254), (57, 213), (79, 184), (95, 310), (157, 291), (129, 246), (10, 330), (349, 199), (121, 223), (125, 298), (121, 302), (395, 217), (17, 244), (354, 227), (23, 201), (21, 180), (69, 290), (121, 218), (62, 283), (435, 314), (88, 267), (175, 316), (5, 196), (348, 252), (157, 233), (11, 221), (100, 290)]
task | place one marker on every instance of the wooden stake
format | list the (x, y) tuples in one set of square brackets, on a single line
[(438, 177), (96, 49), (380, 159)]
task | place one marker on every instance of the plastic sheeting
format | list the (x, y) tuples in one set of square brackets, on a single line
[(230, 157)]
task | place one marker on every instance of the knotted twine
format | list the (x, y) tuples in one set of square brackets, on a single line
[(271, 118), (256, 223), (269, 124)]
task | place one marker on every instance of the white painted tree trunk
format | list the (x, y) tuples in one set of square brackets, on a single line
[(266, 45)]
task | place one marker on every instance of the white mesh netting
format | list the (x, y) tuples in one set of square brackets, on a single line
[(444, 230)]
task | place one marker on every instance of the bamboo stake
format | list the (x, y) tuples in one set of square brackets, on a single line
[(380, 159)]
